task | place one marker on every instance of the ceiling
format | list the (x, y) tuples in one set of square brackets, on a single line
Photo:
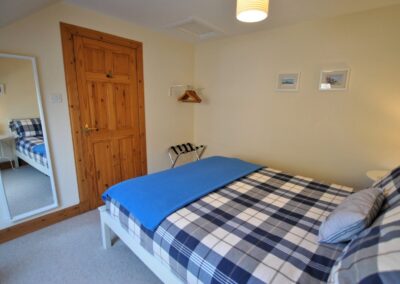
[(12, 10), (162, 15)]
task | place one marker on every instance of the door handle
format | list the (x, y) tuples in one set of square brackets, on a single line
[(109, 74), (87, 128)]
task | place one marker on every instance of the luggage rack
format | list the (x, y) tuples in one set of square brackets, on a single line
[(176, 151)]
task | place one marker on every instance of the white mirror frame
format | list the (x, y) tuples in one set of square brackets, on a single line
[(3, 197)]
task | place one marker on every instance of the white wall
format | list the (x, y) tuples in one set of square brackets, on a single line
[(20, 100), (166, 61), (335, 137)]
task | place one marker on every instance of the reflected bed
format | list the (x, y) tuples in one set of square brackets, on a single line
[(31, 150), (29, 143)]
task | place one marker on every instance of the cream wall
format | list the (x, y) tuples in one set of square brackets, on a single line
[(20, 100), (166, 62), (335, 137)]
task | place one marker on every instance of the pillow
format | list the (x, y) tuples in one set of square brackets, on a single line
[(26, 127), (374, 255), (390, 184), (350, 217)]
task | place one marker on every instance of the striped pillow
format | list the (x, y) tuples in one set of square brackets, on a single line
[(352, 216), (373, 256)]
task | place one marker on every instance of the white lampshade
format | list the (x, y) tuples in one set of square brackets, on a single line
[(251, 11)]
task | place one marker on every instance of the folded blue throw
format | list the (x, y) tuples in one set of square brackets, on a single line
[(154, 197), (39, 149)]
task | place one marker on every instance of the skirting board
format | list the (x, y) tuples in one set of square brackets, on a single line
[(109, 225), (21, 229)]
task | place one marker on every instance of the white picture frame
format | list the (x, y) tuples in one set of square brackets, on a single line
[(2, 89), (288, 82), (334, 80)]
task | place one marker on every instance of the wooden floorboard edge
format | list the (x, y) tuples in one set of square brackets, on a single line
[(18, 230)]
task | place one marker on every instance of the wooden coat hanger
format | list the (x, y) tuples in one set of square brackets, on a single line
[(190, 96)]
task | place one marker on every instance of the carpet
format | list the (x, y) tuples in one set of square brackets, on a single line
[(26, 189), (70, 252)]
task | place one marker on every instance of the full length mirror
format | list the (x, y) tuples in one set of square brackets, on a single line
[(26, 177)]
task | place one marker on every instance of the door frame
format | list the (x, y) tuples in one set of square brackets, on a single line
[(86, 190)]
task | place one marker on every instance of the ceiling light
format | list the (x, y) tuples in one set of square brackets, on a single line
[(251, 11)]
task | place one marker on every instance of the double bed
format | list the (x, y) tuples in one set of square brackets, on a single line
[(260, 228)]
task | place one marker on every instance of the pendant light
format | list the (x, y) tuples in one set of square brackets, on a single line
[(251, 11)]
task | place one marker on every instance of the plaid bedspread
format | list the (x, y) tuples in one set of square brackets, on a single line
[(259, 229), (25, 146)]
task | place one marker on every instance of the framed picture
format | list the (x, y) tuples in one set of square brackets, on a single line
[(334, 80), (288, 82), (2, 89)]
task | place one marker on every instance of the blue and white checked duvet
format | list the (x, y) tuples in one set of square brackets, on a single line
[(27, 145), (262, 228)]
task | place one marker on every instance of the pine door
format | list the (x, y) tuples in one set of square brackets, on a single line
[(107, 83)]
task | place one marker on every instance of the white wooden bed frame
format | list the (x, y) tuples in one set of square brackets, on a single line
[(109, 227), (32, 163)]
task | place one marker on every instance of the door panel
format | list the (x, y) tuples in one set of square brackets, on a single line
[(130, 165), (103, 166), (108, 95), (95, 60), (98, 105), (121, 64), (123, 106)]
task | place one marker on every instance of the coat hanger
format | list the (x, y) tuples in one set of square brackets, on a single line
[(190, 96)]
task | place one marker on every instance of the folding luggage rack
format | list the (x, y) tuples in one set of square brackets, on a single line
[(176, 151)]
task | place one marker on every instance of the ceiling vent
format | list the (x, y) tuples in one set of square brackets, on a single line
[(197, 28)]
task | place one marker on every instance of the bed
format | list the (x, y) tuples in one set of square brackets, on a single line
[(29, 143), (261, 228)]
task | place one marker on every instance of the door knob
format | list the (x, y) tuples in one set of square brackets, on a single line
[(87, 128), (109, 74)]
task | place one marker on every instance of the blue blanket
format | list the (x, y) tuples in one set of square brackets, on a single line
[(39, 149), (154, 197)]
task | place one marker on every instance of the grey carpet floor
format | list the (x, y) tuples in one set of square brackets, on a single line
[(26, 189), (70, 252)]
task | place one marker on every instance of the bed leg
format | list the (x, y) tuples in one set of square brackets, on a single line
[(16, 163), (105, 235), (14, 156)]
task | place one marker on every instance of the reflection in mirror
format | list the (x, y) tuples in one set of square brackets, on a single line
[(26, 180)]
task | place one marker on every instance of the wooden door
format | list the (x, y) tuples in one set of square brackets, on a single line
[(110, 113)]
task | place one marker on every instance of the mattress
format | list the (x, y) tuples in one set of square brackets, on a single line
[(259, 229), (27, 145)]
